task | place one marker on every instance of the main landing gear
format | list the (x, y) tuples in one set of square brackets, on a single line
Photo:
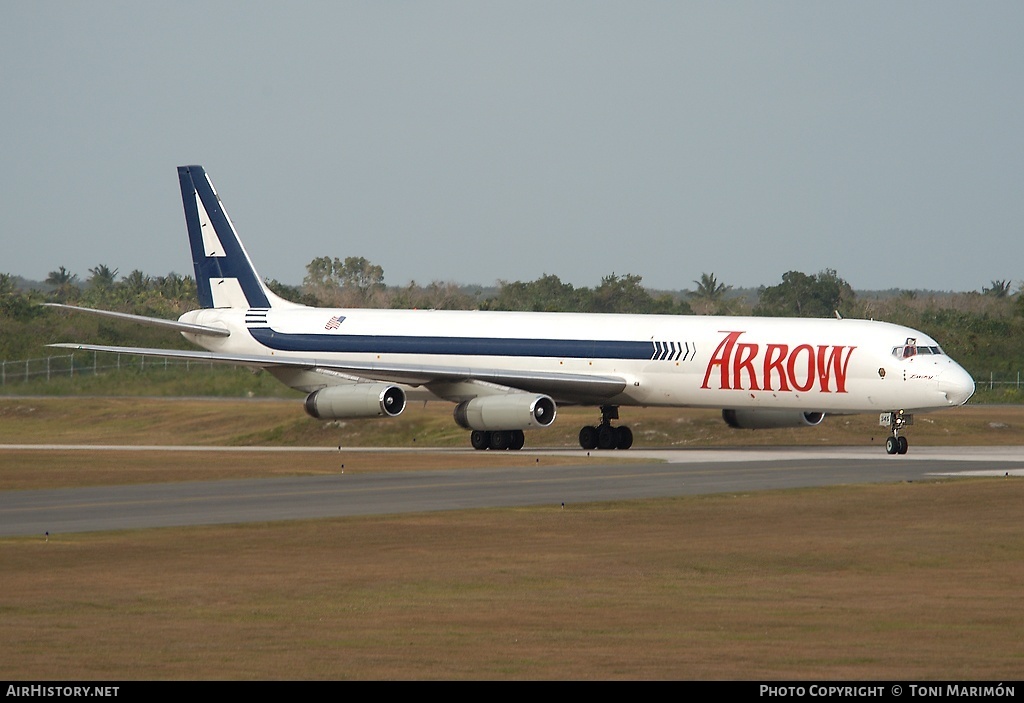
[(895, 444), (497, 439), (604, 436)]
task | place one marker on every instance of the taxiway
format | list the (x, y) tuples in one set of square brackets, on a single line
[(666, 473)]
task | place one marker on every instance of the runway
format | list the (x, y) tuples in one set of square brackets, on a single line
[(665, 473)]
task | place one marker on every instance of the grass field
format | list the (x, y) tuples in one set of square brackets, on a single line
[(911, 581), (908, 581), (282, 422)]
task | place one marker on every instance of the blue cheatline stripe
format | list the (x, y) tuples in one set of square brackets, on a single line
[(467, 346)]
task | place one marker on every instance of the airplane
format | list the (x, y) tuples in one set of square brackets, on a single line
[(508, 372)]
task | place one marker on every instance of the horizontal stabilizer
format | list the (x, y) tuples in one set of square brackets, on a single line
[(151, 321)]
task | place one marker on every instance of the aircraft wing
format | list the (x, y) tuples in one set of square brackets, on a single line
[(564, 386)]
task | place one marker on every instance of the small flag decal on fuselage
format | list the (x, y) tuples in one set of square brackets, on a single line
[(335, 322)]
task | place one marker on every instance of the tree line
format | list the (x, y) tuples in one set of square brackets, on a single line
[(984, 329)]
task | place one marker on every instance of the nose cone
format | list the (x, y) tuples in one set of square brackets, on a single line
[(957, 385)]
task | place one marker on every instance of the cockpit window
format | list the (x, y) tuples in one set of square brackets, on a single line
[(908, 350)]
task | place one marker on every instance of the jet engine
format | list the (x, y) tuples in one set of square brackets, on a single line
[(515, 411), (764, 419), (356, 400)]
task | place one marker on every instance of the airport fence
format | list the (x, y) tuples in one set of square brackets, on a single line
[(1006, 380), (88, 363)]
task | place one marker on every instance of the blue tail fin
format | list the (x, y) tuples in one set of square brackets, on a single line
[(225, 277)]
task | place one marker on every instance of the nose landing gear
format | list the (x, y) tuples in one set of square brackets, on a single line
[(896, 420)]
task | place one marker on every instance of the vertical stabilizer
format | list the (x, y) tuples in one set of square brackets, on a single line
[(225, 276)]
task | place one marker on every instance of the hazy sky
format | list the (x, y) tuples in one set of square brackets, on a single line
[(478, 141)]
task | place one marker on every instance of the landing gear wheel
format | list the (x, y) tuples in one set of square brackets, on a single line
[(623, 437), (480, 439), (902, 445), (605, 437), (499, 440), (516, 440), (892, 445), (588, 437)]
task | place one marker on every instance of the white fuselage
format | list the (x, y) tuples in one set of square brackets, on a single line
[(824, 365)]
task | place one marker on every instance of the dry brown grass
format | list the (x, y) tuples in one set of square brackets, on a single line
[(283, 423), (910, 581), (907, 581)]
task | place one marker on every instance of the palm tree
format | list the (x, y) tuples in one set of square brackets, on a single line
[(102, 277), (176, 289), (136, 283), (63, 282), (999, 289), (708, 288), (709, 292)]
